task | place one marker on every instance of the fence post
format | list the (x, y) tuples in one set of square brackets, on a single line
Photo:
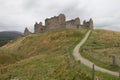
[(119, 75), (113, 60), (10, 77), (93, 72), (80, 64)]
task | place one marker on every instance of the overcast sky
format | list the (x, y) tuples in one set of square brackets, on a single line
[(15, 15)]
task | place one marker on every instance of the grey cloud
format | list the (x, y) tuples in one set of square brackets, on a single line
[(72, 11), (18, 14)]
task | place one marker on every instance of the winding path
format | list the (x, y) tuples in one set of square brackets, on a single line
[(86, 62)]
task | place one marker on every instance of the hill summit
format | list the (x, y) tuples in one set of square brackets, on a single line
[(59, 22)]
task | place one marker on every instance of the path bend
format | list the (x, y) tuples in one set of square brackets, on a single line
[(86, 62)]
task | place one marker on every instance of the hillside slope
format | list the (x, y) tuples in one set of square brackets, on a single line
[(6, 36), (101, 46), (42, 57)]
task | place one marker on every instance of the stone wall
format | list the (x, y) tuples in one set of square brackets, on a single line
[(38, 27), (58, 22), (91, 24), (87, 24), (27, 32), (74, 23), (54, 22)]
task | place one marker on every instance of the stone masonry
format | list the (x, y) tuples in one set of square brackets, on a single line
[(74, 23), (26, 31), (58, 22), (55, 22), (38, 27), (87, 25)]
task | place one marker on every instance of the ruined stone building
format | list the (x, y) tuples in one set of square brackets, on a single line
[(58, 22), (26, 31), (39, 27)]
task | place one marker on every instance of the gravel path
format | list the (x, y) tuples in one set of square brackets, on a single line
[(86, 62)]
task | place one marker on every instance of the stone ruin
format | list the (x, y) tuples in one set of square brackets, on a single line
[(26, 31), (59, 22), (55, 22), (39, 27)]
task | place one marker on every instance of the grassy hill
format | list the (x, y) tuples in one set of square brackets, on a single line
[(46, 56), (101, 46), (43, 56), (6, 36)]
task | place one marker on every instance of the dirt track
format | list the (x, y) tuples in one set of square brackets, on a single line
[(86, 62)]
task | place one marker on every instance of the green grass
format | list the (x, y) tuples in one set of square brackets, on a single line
[(100, 46), (43, 57), (3, 42), (99, 63), (47, 56), (98, 75)]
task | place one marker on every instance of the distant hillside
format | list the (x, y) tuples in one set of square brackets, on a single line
[(6, 36)]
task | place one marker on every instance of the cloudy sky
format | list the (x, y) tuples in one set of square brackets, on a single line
[(15, 15)]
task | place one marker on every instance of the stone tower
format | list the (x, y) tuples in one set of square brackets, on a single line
[(91, 23), (77, 22), (88, 24), (61, 18), (26, 31), (54, 22), (38, 28), (84, 22)]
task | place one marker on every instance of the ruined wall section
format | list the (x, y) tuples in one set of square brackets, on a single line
[(74, 23), (55, 22), (38, 28), (91, 25), (27, 32), (87, 24)]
